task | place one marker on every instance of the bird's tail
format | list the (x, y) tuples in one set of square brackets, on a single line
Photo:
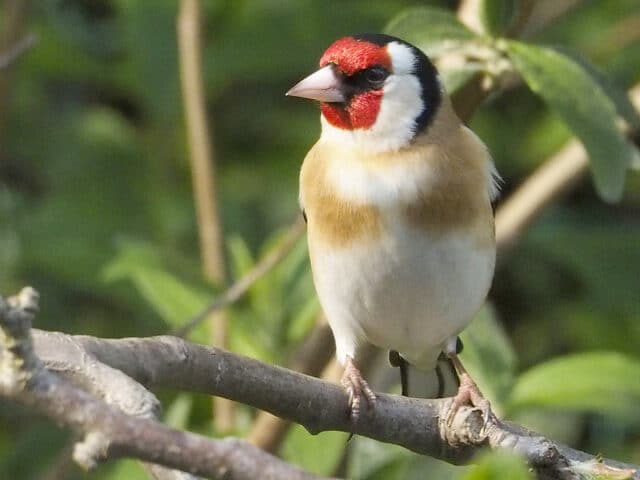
[(438, 383), (434, 383)]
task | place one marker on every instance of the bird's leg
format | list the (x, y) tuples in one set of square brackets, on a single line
[(356, 388), (468, 393), (441, 385), (396, 361)]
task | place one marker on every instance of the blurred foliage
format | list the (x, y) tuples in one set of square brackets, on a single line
[(96, 209)]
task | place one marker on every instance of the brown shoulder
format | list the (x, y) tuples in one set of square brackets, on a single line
[(332, 220), (456, 196)]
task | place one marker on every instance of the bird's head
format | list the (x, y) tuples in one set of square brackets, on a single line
[(377, 92)]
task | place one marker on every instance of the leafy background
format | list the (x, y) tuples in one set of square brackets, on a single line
[(96, 209)]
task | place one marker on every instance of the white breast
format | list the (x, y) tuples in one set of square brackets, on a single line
[(408, 292), (378, 184)]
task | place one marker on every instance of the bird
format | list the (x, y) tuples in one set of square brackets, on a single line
[(397, 195)]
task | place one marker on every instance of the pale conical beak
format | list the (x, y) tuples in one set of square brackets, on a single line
[(324, 85)]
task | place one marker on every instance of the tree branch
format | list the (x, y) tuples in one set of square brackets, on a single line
[(423, 426), (110, 385), (107, 432)]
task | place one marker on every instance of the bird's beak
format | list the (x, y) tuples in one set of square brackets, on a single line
[(324, 85)]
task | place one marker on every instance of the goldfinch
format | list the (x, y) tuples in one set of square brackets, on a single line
[(397, 196)]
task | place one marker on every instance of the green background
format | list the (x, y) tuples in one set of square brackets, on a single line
[(96, 212)]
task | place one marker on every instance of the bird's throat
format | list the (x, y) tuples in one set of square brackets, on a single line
[(360, 113)]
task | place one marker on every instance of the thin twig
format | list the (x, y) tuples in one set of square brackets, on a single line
[(547, 12), (199, 141), (239, 288), (9, 57), (522, 16), (559, 174), (14, 14), (203, 178), (468, 14)]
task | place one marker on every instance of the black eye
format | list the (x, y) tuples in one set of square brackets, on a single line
[(375, 75)]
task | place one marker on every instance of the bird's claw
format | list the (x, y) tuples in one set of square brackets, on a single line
[(469, 394), (356, 388)]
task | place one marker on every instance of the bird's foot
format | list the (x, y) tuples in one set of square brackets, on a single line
[(357, 388), (469, 394)]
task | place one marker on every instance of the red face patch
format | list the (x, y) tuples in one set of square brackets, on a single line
[(360, 113), (352, 56)]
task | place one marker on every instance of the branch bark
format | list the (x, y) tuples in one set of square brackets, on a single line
[(423, 426), (108, 433), (111, 386)]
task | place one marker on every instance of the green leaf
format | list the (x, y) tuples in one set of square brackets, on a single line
[(35, 438), (430, 29), (318, 454), (438, 32), (239, 256), (498, 466), (303, 320), (169, 296), (620, 98), (489, 356), (178, 413), (577, 246), (617, 95), (248, 337), (368, 458), (456, 78), (496, 15), (151, 65), (584, 106), (372, 460), (126, 468), (603, 382)]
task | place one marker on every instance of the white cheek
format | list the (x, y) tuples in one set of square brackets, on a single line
[(401, 105), (403, 59), (395, 124)]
